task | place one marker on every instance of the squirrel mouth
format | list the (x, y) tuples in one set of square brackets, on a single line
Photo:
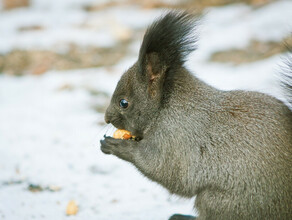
[(137, 138), (137, 135)]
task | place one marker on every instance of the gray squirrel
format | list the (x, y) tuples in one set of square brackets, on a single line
[(230, 149)]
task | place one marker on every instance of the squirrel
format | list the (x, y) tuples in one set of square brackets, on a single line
[(230, 149)]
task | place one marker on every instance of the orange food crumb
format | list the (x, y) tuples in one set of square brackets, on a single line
[(72, 208), (122, 134)]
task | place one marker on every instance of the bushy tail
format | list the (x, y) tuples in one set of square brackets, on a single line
[(286, 78)]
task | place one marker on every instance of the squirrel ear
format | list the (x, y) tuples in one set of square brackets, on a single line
[(155, 71)]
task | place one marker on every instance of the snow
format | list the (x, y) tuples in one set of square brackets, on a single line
[(258, 76), (236, 25), (50, 132), (66, 23)]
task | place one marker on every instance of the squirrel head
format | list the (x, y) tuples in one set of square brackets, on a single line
[(137, 99)]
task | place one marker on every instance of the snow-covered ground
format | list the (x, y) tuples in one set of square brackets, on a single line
[(50, 130)]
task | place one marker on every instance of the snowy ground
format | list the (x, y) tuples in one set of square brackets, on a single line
[(50, 130)]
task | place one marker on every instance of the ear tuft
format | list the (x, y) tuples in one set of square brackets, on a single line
[(169, 39)]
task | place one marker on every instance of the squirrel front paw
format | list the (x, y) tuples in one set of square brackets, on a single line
[(123, 149), (108, 144)]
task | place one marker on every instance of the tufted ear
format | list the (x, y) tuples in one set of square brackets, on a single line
[(164, 49), (155, 71)]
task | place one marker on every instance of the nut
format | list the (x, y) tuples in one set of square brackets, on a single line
[(122, 134)]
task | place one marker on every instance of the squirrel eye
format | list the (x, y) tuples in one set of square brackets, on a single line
[(124, 103)]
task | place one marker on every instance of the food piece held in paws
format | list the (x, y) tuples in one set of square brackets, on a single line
[(123, 134)]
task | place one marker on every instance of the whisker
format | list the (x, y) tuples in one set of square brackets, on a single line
[(99, 135), (106, 128), (110, 130)]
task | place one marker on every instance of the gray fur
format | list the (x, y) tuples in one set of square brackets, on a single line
[(232, 150)]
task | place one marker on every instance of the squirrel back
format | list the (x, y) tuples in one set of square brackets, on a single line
[(230, 149)]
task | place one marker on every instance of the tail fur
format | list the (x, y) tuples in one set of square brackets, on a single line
[(286, 78)]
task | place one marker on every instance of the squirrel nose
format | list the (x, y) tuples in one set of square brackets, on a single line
[(107, 118)]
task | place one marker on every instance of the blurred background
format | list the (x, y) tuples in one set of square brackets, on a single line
[(59, 63)]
